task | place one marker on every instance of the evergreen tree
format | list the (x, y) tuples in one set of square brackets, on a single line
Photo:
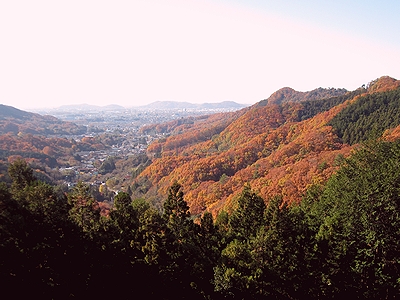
[(237, 273), (124, 231), (247, 218), (361, 224), (85, 211), (22, 176), (181, 244), (37, 239)]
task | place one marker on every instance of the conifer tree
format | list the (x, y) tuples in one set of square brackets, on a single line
[(85, 211), (361, 224), (181, 242), (22, 176), (247, 218)]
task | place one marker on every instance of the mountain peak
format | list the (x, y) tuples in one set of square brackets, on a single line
[(283, 95), (288, 94), (383, 84)]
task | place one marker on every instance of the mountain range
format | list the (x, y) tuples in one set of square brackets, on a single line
[(157, 105), (89, 107), (167, 105)]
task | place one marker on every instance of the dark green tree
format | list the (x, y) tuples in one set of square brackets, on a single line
[(211, 243), (368, 117), (37, 239), (361, 224), (274, 262), (181, 244), (107, 166), (12, 233), (125, 218), (22, 176), (248, 216), (85, 211), (176, 210), (236, 275), (152, 234)]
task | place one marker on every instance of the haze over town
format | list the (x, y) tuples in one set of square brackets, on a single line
[(132, 53)]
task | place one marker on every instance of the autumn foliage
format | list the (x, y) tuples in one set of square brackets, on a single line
[(277, 147)]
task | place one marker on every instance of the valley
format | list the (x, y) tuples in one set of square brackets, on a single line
[(106, 134)]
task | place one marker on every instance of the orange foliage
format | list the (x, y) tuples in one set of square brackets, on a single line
[(392, 134), (105, 208), (383, 84), (264, 147), (48, 151)]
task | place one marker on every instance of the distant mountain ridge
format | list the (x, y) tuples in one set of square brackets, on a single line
[(164, 105), (187, 105), (89, 107)]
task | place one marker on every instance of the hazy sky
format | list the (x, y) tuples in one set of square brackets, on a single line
[(133, 52)]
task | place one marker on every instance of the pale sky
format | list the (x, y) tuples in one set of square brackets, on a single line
[(133, 52)]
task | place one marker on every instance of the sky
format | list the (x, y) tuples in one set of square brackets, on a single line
[(134, 52)]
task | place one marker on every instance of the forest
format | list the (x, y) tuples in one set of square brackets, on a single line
[(342, 239)]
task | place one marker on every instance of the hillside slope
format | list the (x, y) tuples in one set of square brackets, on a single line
[(13, 120), (277, 147)]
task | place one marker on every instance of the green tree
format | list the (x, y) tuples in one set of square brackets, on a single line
[(126, 220), (236, 276), (85, 211), (152, 234), (107, 166), (274, 262), (361, 224), (37, 245), (183, 265), (12, 233), (248, 216), (22, 176), (176, 210), (368, 117)]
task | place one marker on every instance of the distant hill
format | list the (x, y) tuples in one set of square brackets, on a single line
[(88, 107), (13, 120), (173, 105), (162, 105), (9, 112)]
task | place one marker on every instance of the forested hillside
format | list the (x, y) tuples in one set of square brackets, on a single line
[(287, 94), (279, 146), (47, 154), (368, 118), (341, 240)]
